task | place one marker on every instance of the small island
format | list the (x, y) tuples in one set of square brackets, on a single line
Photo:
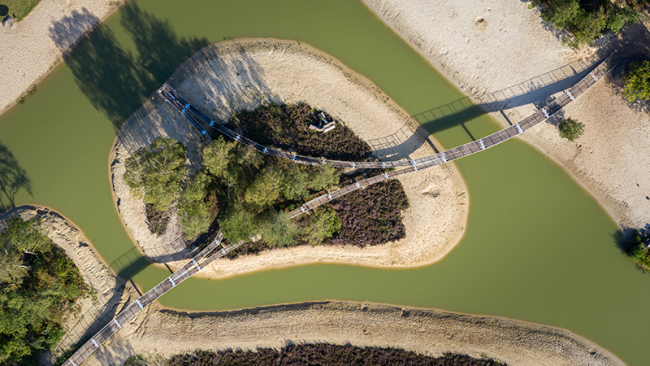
[(230, 187)]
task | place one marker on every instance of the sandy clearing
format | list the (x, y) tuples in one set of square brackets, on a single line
[(502, 50), (33, 47), (226, 77), (431, 332)]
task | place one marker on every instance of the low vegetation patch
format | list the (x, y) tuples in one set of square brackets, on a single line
[(316, 354), (586, 21), (156, 219), (371, 224), (39, 286), (571, 129), (248, 195), (287, 127), (637, 82), (20, 8), (637, 247)]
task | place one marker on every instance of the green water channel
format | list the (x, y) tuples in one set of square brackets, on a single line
[(537, 247)]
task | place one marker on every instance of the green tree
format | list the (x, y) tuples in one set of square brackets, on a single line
[(295, 182), (218, 155), (193, 211), (12, 267), (194, 218), (31, 311), (24, 236), (197, 189), (585, 22), (278, 230), (20, 237), (571, 129), (265, 190), (322, 224), (563, 13), (238, 223), (154, 173), (247, 156), (323, 177), (637, 81)]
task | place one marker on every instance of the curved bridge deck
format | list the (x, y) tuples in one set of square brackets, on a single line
[(201, 260), (410, 166)]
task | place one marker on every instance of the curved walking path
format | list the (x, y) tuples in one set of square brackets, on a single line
[(201, 260), (410, 166), (192, 267)]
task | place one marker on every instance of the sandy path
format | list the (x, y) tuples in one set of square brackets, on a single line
[(33, 46), (502, 50), (229, 76), (431, 332)]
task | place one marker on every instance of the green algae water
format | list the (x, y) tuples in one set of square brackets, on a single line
[(537, 247)]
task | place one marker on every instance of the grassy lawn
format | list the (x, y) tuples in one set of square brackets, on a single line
[(20, 8)]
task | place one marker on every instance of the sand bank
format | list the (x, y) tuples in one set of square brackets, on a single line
[(35, 45), (244, 74), (431, 332), (502, 50)]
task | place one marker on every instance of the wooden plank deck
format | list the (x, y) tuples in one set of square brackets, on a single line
[(409, 166), (123, 318)]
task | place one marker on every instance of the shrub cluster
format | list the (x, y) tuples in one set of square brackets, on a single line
[(324, 354), (287, 127), (157, 219), (637, 81), (571, 129), (245, 193), (585, 20), (38, 286), (371, 216), (637, 248)]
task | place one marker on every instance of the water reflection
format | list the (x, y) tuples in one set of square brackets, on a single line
[(115, 80), (13, 178)]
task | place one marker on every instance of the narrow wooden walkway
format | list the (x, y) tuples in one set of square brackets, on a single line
[(192, 267), (201, 260), (410, 166)]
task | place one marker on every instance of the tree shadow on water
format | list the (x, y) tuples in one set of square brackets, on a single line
[(116, 80), (160, 50), (12, 179)]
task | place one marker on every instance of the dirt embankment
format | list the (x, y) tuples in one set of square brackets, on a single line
[(244, 74), (431, 332), (503, 51)]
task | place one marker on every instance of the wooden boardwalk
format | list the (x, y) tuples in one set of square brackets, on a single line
[(192, 267), (409, 166)]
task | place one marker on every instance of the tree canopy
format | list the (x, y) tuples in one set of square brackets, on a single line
[(154, 173), (585, 21), (193, 211), (571, 129), (38, 283), (637, 82)]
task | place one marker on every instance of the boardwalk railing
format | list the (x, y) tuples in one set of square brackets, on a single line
[(410, 165), (192, 267)]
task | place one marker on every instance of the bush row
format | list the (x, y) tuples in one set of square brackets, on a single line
[(324, 354)]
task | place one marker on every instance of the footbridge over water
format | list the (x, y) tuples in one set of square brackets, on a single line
[(193, 115), (203, 259)]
